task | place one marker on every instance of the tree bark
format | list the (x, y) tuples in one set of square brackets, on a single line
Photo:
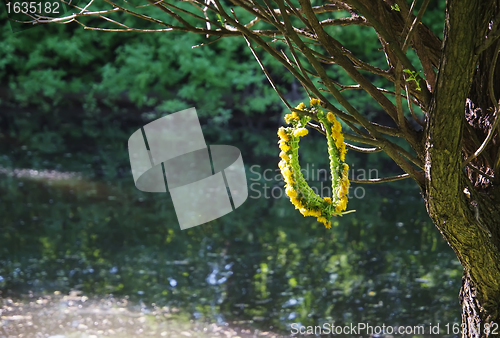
[(464, 205)]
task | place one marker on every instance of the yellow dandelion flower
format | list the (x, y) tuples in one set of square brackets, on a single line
[(290, 117), (328, 225), (287, 175), (284, 156), (315, 101), (345, 180), (301, 106), (300, 132), (295, 201), (316, 213), (343, 189), (283, 146), (328, 199), (304, 211), (335, 134), (286, 172), (343, 151), (342, 205), (282, 164), (339, 141), (283, 135), (290, 192), (337, 126), (330, 117), (322, 220)]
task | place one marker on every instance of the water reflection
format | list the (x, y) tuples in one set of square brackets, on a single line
[(259, 268), (73, 315)]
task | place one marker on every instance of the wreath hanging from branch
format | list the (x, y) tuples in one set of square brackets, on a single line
[(302, 196)]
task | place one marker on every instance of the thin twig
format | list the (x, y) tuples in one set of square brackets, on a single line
[(207, 43), (267, 73), (410, 106), (381, 180), (299, 64), (363, 150), (399, 102)]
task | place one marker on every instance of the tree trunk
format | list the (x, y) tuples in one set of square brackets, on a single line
[(464, 203)]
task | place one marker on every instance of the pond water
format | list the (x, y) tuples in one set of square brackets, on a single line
[(84, 257), (83, 253)]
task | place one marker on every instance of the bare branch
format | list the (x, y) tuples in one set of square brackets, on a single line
[(391, 43), (267, 73), (382, 180), (410, 106), (363, 150), (399, 103), (353, 20)]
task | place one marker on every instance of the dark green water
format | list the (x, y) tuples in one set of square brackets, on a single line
[(85, 227)]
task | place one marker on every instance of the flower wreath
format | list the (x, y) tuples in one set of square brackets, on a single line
[(301, 195)]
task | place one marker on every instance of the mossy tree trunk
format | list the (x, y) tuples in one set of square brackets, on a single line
[(465, 204)]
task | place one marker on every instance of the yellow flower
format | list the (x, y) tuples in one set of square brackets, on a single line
[(339, 141), (330, 117), (328, 199), (343, 151), (284, 156), (304, 211), (315, 101), (300, 132), (283, 135), (342, 204), (295, 201), (307, 212), (337, 126), (335, 134), (290, 192), (345, 180), (346, 170), (301, 106), (287, 175), (323, 220), (282, 164), (283, 146), (285, 171), (343, 189), (292, 116)]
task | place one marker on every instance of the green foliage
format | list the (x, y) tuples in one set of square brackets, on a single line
[(396, 7), (413, 76), (53, 65)]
